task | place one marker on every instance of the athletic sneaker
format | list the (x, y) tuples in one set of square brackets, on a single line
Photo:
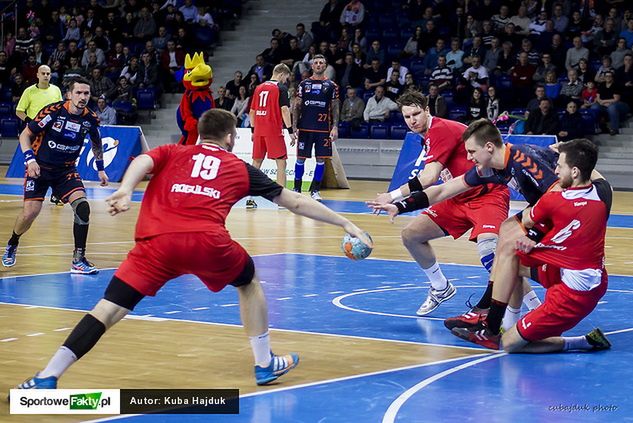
[(435, 298), (480, 335), (598, 340), (251, 204), (39, 383), (316, 196), (8, 258), (468, 319), (83, 267), (279, 366)]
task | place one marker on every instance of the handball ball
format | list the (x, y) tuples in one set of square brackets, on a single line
[(354, 248)]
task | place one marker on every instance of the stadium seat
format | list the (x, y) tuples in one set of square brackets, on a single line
[(6, 109), (398, 132), (457, 113), (343, 129), (361, 132), (5, 95), (9, 127), (379, 131)]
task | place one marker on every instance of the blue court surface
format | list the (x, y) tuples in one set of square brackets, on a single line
[(377, 299)]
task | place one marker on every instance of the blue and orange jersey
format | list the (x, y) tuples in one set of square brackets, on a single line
[(59, 134), (316, 97), (528, 169)]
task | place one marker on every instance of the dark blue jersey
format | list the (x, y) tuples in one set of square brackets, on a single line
[(528, 169), (316, 97), (59, 134)]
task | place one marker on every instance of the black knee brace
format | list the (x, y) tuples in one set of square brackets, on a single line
[(81, 207)]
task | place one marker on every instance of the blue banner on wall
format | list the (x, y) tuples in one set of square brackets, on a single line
[(411, 159), (120, 145)]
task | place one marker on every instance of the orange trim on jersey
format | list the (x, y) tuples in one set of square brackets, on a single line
[(37, 142), (507, 157), (68, 194), (323, 157), (313, 130), (34, 199)]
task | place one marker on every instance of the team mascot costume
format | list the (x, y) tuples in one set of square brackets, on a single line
[(196, 100)]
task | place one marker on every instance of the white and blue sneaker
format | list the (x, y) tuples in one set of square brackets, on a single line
[(435, 298), (39, 383), (279, 366), (8, 258), (83, 267)]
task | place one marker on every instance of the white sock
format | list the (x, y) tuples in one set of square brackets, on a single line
[(576, 343), (531, 300), (60, 362), (510, 318), (261, 349), (437, 278)]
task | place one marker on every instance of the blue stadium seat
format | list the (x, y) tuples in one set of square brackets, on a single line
[(343, 129), (379, 131), (588, 121), (518, 111), (9, 127), (457, 113), (5, 95), (390, 35), (6, 109), (372, 34), (146, 99), (395, 118), (361, 132), (398, 132), (367, 95)]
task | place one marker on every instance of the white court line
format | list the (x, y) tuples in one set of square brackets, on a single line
[(51, 273), (322, 382), (614, 332), (231, 325), (392, 411)]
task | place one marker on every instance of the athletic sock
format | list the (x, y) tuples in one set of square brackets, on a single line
[(15, 239), (484, 302), (437, 278), (531, 300), (576, 343), (495, 315), (60, 362), (260, 345), (511, 317)]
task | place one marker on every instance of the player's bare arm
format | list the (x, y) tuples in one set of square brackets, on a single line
[(26, 140), (335, 110), (295, 116), (97, 150), (429, 176), (287, 118), (121, 199)]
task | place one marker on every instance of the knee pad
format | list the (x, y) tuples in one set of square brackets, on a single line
[(81, 208), (486, 248), (123, 295)]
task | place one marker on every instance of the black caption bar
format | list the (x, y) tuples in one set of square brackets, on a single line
[(180, 401)]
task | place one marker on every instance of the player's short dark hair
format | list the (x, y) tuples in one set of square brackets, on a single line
[(582, 154), (78, 80), (483, 131), (214, 124), (412, 98)]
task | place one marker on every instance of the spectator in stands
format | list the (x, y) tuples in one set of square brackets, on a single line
[(29, 69), (493, 105), (472, 28), (240, 107), (571, 90), (589, 94), (411, 47), (537, 26), (40, 56), (436, 102), (102, 40), (552, 86), (350, 74), (429, 35), (393, 87), (222, 101), (397, 66), (557, 51), (293, 54), (609, 101), (92, 64), (189, 11), (304, 38), (335, 56), (233, 86), (571, 124), (506, 60), (534, 103), (409, 82), (160, 40), (492, 55), (73, 51), (171, 60), (475, 50), (148, 74), (74, 70), (5, 70), (500, 20), (430, 59), (487, 34), (353, 14), (585, 73), (624, 76), (603, 69), (253, 82), (100, 86), (575, 53), (442, 76), (375, 75), (352, 109), (544, 68), (521, 75), (73, 32), (92, 48), (588, 36), (455, 57), (105, 113), (543, 120), (617, 55), (131, 71), (509, 34), (58, 54), (604, 41), (627, 33), (375, 52), (18, 87), (458, 24), (360, 58), (533, 55), (559, 19), (521, 21), (127, 29), (378, 106), (57, 73), (476, 75), (476, 106), (329, 19), (576, 25), (261, 69)]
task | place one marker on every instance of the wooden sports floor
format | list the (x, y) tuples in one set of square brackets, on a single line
[(364, 354)]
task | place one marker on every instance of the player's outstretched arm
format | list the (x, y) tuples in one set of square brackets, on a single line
[(307, 207), (429, 176), (121, 199)]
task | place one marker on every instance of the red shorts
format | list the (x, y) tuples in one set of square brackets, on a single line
[(211, 256), (273, 145), (483, 214), (563, 307)]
